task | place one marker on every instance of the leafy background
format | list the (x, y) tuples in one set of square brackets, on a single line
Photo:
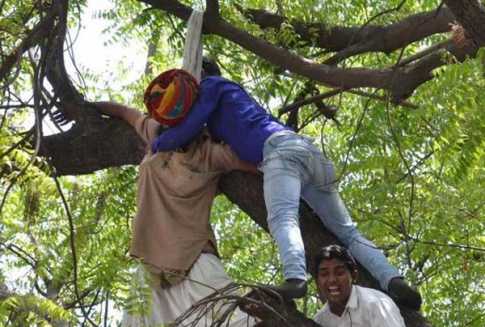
[(412, 178)]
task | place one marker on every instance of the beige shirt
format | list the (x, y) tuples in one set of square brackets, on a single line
[(366, 307), (175, 195)]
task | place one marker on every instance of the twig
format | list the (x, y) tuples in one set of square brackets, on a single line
[(415, 166), (16, 145), (354, 137), (38, 129), (409, 173), (358, 47), (298, 104), (423, 53), (381, 98), (106, 309), (226, 294), (451, 245), (72, 235), (21, 253), (318, 97), (16, 106)]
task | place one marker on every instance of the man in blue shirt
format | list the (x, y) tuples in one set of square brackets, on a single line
[(292, 166)]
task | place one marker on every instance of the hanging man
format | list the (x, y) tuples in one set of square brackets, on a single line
[(171, 231)]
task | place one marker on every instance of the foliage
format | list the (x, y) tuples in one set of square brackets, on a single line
[(412, 178)]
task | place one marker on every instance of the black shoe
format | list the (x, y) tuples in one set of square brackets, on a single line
[(291, 289), (403, 294)]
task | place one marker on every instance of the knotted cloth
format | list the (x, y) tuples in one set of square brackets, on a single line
[(170, 95)]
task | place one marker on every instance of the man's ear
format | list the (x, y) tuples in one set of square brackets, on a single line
[(355, 276)]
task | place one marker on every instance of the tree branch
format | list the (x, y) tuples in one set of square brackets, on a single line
[(388, 79), (371, 38), (212, 9), (40, 31), (471, 15), (72, 241)]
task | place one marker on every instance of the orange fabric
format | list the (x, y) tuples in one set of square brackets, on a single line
[(170, 96)]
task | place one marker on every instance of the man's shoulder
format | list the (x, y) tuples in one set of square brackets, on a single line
[(320, 316), (375, 305), (371, 297), (212, 79), (211, 82), (147, 128)]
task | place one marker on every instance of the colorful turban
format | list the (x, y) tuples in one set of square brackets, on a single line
[(170, 96)]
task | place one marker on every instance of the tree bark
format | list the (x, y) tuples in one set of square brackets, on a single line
[(371, 38), (471, 15)]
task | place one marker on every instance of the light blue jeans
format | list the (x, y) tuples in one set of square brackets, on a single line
[(293, 166)]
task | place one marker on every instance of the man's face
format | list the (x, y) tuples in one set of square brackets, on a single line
[(334, 282)]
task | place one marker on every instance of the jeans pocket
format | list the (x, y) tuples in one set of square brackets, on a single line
[(324, 176), (331, 176)]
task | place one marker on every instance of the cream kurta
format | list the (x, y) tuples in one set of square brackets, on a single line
[(175, 194)]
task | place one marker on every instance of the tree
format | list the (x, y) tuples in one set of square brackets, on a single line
[(411, 160)]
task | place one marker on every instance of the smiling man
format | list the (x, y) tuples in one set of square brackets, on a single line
[(349, 305)]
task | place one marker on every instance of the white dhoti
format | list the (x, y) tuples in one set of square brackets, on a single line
[(206, 276)]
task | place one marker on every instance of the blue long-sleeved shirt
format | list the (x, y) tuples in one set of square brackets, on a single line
[(231, 115)]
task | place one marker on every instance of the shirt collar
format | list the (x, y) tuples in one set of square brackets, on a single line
[(353, 302)]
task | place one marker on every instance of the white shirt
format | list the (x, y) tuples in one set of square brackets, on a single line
[(366, 307)]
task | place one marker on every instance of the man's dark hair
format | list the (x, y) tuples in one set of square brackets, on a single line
[(335, 252), (210, 67)]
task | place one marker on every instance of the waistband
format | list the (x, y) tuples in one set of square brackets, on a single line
[(280, 133)]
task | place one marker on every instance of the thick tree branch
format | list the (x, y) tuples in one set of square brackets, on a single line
[(41, 30), (471, 15), (388, 79), (371, 38), (56, 71), (212, 8), (86, 148)]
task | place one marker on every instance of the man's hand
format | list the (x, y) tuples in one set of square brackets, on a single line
[(117, 110), (109, 108)]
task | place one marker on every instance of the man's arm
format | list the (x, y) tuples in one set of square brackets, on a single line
[(248, 167), (226, 160), (117, 110)]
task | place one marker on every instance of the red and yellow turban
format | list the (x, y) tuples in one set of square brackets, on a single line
[(170, 96)]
